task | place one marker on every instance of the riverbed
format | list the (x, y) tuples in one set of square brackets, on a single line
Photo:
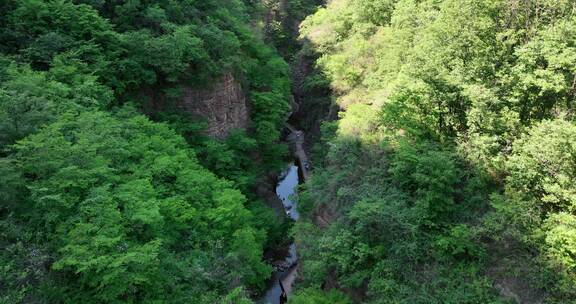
[(286, 273)]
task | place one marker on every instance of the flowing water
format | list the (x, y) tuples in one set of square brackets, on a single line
[(286, 190)]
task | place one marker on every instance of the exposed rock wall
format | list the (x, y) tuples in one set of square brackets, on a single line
[(223, 105)]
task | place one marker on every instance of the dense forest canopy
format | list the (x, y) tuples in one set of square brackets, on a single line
[(99, 204), (109, 49), (450, 175)]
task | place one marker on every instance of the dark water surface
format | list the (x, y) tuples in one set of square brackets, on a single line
[(286, 190)]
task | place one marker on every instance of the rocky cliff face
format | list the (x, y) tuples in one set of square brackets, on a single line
[(223, 105)]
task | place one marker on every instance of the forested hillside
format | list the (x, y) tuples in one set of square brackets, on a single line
[(450, 176), (445, 171), (101, 204)]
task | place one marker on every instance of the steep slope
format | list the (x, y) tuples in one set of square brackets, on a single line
[(446, 178), (98, 204)]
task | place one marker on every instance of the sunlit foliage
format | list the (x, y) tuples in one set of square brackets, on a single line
[(452, 164)]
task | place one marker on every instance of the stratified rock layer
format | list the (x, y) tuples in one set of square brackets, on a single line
[(223, 105)]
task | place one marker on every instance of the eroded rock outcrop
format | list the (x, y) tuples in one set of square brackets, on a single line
[(223, 105)]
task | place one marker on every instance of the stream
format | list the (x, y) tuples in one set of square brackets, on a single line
[(287, 271)]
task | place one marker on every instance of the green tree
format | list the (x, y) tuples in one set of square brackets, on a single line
[(121, 199)]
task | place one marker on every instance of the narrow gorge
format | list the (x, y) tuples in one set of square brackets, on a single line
[(287, 151)]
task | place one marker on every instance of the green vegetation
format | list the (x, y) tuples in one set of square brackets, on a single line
[(160, 45), (124, 211), (99, 204), (312, 296), (282, 21), (450, 174)]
